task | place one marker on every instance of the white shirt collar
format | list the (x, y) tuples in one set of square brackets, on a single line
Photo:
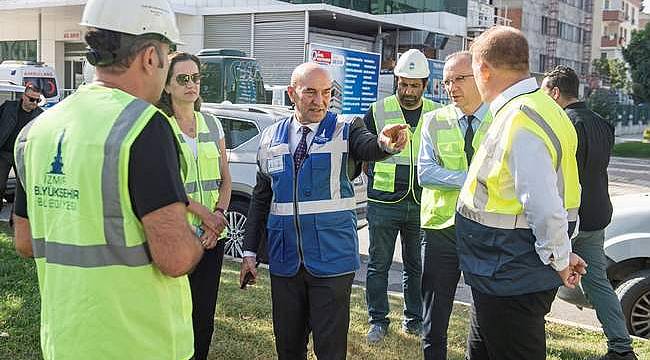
[(522, 87), (295, 126), (479, 113)]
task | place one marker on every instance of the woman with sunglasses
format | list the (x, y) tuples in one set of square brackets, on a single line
[(206, 176)]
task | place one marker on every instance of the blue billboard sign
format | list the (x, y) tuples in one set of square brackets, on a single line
[(355, 76), (435, 88)]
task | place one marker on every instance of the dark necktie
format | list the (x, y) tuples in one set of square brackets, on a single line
[(301, 150), (469, 136)]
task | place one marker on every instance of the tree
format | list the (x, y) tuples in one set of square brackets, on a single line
[(637, 55), (603, 102), (613, 71)]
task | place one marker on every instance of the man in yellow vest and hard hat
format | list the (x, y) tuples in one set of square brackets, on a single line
[(450, 137), (394, 198), (100, 204), (518, 206)]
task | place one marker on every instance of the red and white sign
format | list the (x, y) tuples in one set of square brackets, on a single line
[(72, 35), (321, 57)]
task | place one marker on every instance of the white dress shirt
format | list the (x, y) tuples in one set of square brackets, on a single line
[(535, 182)]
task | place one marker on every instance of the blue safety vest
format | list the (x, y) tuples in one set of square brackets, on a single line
[(312, 218)]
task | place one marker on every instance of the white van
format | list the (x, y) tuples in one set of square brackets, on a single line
[(20, 72)]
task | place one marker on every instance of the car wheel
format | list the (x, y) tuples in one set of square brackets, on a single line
[(634, 294), (236, 217)]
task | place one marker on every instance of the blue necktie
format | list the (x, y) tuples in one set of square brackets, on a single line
[(301, 151), (469, 137)]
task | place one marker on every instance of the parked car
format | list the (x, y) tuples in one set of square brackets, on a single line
[(242, 125), (627, 250)]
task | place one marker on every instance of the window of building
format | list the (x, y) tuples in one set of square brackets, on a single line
[(18, 50), (458, 7)]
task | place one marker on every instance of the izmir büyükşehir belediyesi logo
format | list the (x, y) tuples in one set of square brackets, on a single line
[(53, 192)]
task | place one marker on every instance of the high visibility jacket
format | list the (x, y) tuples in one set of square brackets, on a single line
[(499, 257), (439, 203), (201, 173), (312, 218), (101, 295), (488, 196), (393, 179)]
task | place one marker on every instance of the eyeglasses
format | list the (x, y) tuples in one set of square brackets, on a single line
[(183, 79), (458, 80), (31, 99)]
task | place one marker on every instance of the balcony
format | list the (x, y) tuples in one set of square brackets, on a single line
[(610, 41), (613, 15)]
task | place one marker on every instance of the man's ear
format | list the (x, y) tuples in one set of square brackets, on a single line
[(291, 91), (485, 71), (149, 59)]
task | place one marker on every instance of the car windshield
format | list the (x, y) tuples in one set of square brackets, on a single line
[(46, 84)]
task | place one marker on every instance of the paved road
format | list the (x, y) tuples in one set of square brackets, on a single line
[(628, 175)]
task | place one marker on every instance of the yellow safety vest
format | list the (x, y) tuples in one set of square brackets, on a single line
[(439, 203), (201, 174), (393, 179), (488, 196), (101, 295)]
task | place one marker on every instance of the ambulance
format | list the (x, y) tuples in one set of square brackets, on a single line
[(20, 72)]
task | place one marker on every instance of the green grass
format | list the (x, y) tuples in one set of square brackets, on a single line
[(243, 328), (635, 149)]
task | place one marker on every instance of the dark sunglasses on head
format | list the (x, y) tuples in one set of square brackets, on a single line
[(31, 99), (183, 79)]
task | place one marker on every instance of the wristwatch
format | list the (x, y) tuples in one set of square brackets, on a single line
[(222, 211)]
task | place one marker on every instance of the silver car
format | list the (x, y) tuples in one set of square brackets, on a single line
[(242, 125), (627, 250)]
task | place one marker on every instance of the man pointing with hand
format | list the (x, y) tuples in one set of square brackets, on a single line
[(304, 197)]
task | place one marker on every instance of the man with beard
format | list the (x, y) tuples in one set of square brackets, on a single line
[(394, 198)]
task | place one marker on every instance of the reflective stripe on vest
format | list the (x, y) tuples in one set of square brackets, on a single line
[(498, 207), (439, 203), (388, 111), (115, 251)]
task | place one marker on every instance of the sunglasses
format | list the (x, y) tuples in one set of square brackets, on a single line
[(31, 99), (183, 79)]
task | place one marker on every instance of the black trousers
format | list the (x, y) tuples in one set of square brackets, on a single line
[(6, 163), (508, 327), (303, 304), (204, 283), (440, 275)]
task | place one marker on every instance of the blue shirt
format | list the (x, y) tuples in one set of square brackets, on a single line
[(430, 173)]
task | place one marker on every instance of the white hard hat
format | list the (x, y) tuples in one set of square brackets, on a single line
[(136, 17), (413, 65)]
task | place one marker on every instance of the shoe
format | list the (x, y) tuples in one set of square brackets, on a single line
[(612, 355), (377, 333), (413, 329)]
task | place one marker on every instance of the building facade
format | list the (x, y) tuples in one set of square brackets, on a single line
[(620, 18), (559, 32), (276, 33)]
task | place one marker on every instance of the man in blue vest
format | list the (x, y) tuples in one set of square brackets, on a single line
[(305, 199), (394, 199)]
